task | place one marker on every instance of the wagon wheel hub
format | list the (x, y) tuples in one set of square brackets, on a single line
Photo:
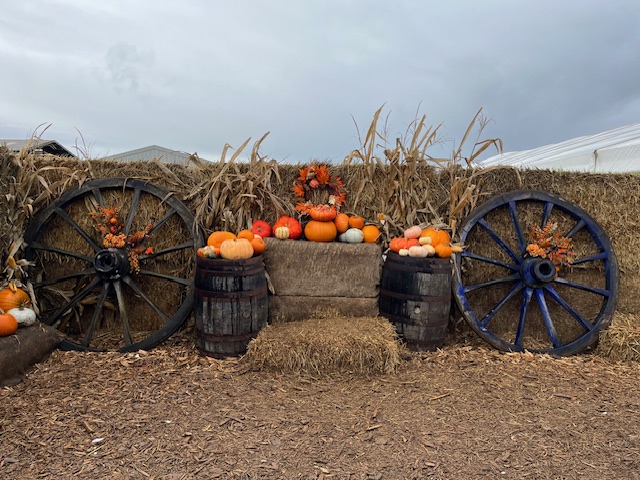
[(111, 263), (536, 272)]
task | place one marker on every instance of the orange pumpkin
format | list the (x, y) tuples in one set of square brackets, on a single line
[(317, 231), (431, 233), (217, 237), (443, 250), (342, 222), (295, 229), (371, 233), (259, 245), (323, 212), (236, 249), (356, 221), (13, 298), (8, 324), (401, 243), (443, 238), (248, 234)]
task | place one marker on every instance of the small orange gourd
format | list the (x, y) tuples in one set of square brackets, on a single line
[(342, 222), (259, 245), (356, 221), (443, 251), (371, 234), (219, 236), (248, 234), (8, 324)]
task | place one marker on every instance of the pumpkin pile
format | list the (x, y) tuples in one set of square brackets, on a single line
[(422, 243), (228, 245), (15, 310)]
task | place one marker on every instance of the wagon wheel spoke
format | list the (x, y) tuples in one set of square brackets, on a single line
[(40, 246), (538, 274), (496, 238), (97, 315), (63, 278), (55, 318), (513, 212), (546, 213), (97, 194), (482, 258), (132, 284), (489, 316), (135, 201), (515, 277), (62, 214), (576, 228), (164, 251), (585, 288), (546, 316), (124, 316), (526, 300), (172, 278), (560, 301), (162, 221), (591, 258)]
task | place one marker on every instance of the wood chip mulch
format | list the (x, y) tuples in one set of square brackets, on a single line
[(459, 413)]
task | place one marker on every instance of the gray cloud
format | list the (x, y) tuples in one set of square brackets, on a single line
[(195, 75)]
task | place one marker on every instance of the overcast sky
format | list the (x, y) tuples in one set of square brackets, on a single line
[(193, 75)]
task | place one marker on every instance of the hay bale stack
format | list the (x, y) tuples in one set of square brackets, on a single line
[(362, 345), (311, 277), (621, 341)]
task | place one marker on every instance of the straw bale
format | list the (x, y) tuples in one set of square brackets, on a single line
[(362, 345), (621, 341), (290, 308), (312, 269), (28, 346)]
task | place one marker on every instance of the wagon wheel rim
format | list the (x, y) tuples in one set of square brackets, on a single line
[(103, 277), (531, 282)]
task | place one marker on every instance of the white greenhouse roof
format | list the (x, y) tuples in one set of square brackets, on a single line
[(615, 150)]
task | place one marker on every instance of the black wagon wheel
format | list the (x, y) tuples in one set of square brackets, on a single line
[(516, 301), (96, 296)]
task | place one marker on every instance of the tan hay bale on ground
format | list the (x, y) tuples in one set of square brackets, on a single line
[(323, 269), (363, 345), (292, 308), (621, 341)]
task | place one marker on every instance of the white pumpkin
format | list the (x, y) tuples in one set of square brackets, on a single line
[(413, 232), (431, 251), (352, 235), (24, 316), (282, 233), (418, 251), (403, 252), (426, 240)]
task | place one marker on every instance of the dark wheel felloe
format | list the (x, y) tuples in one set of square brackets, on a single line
[(516, 301), (93, 294)]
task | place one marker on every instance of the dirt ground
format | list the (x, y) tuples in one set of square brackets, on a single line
[(459, 413)]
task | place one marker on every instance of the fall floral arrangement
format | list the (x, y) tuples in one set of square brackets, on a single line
[(548, 243), (108, 223), (317, 177)]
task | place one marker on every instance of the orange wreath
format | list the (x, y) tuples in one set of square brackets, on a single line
[(318, 177)]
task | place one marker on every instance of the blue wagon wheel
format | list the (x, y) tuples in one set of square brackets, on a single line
[(515, 301), (92, 294)]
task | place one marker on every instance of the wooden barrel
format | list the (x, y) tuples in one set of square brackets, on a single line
[(231, 304), (415, 295)]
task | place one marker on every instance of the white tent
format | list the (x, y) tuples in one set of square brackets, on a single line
[(615, 150)]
